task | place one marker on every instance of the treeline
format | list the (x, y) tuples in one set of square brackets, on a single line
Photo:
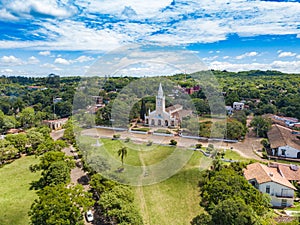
[(35, 141), (16, 94)]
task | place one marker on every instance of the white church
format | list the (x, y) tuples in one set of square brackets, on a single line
[(165, 117)]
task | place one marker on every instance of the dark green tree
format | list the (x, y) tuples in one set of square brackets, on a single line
[(261, 126), (143, 110), (122, 153), (60, 205)]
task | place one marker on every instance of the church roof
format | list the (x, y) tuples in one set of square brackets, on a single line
[(160, 91), (174, 108)]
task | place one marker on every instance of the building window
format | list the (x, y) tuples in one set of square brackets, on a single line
[(268, 189), (283, 202)]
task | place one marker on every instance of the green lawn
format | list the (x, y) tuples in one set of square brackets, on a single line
[(151, 154), (229, 154), (15, 196), (175, 200)]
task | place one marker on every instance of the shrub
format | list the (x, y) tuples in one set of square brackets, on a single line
[(116, 136), (149, 143), (173, 142), (198, 146)]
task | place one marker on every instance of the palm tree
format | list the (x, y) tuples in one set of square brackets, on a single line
[(122, 152)]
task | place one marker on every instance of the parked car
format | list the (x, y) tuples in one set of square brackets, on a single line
[(89, 216)]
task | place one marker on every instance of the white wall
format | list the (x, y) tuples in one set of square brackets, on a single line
[(276, 189), (289, 153)]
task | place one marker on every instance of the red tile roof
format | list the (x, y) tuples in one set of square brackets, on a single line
[(282, 136), (263, 174)]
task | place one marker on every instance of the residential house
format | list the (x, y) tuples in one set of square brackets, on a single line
[(229, 109), (286, 120), (268, 180), (238, 106), (284, 142)]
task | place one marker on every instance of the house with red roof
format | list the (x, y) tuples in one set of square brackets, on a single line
[(270, 181)]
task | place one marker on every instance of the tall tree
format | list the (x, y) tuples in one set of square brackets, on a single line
[(122, 153), (143, 110), (27, 117), (261, 126)]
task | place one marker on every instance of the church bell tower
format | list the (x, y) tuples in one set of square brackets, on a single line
[(160, 100)]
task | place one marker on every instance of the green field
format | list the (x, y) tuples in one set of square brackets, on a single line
[(172, 201), (229, 154), (175, 200), (15, 196)]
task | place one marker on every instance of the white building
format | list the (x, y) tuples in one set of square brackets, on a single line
[(238, 106), (284, 142), (164, 117), (269, 180)]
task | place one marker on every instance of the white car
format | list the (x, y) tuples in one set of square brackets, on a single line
[(89, 216)]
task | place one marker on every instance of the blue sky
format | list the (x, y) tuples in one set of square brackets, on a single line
[(39, 37)]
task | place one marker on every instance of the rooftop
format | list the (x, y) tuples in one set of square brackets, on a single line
[(282, 136), (289, 171), (263, 174)]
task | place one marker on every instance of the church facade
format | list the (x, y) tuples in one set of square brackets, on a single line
[(162, 116)]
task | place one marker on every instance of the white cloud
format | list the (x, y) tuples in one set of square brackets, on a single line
[(286, 54), (210, 58), (283, 66), (11, 60), (84, 58), (5, 15), (61, 61), (33, 60), (247, 54), (45, 53), (29, 8), (146, 8), (50, 66), (152, 24), (7, 71)]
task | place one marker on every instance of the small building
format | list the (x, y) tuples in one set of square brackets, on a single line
[(35, 88), (55, 124), (238, 106), (286, 120), (229, 109), (57, 100), (192, 89), (284, 142), (269, 181)]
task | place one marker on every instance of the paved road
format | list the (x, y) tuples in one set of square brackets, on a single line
[(245, 148), (56, 134)]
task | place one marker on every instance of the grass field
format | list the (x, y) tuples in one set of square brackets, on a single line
[(229, 154), (15, 196), (174, 200)]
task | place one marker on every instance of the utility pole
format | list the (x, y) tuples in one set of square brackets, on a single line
[(54, 108)]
